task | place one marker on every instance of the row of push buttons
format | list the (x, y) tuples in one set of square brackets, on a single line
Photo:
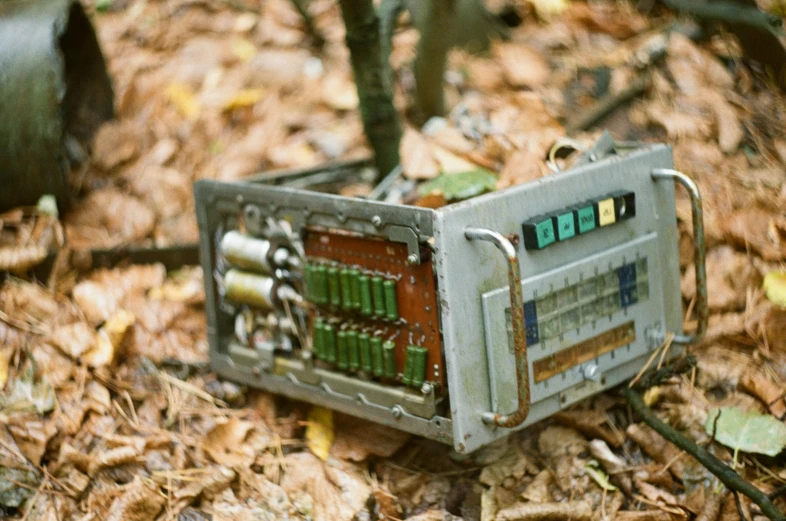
[(544, 230)]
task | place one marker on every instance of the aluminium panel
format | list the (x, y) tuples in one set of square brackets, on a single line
[(467, 270)]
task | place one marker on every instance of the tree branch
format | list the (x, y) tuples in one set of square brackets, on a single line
[(725, 474), (374, 82), (432, 56)]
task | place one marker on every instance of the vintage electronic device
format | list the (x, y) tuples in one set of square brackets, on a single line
[(462, 323)]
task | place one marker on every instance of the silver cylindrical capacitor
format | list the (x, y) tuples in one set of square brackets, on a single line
[(255, 290), (252, 253)]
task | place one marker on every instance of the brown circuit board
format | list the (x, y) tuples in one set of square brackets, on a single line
[(416, 292)]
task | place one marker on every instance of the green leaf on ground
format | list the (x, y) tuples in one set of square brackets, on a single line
[(461, 185), (747, 431), (592, 468)]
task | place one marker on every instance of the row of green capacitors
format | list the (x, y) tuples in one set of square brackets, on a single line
[(351, 290), (351, 350)]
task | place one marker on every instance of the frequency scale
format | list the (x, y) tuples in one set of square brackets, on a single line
[(463, 323)]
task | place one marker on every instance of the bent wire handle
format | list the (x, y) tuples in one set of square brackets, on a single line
[(519, 332), (702, 306)]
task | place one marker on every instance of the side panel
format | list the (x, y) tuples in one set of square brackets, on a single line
[(468, 270), (259, 213)]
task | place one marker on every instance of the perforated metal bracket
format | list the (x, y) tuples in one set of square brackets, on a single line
[(697, 212), (507, 248)]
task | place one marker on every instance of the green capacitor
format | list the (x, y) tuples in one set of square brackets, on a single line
[(378, 291), (354, 350), (318, 344), (329, 338), (377, 366), (364, 344), (365, 295), (343, 350), (389, 359), (346, 290), (415, 366), (308, 282), (334, 286), (354, 288), (320, 285), (391, 299)]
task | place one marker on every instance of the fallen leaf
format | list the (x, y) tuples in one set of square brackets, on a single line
[(74, 339), (522, 65), (182, 97), (547, 9), (6, 351), (461, 185), (28, 392), (243, 49), (109, 338), (417, 157), (573, 510), (756, 383), (319, 431), (356, 439), (224, 443), (775, 287), (115, 143), (243, 98), (592, 468), (140, 500), (747, 431)]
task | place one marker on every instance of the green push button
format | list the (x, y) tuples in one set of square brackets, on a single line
[(585, 218), (565, 226), (538, 233)]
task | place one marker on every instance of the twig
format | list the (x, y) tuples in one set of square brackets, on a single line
[(308, 20), (388, 16), (606, 105), (725, 474), (737, 502)]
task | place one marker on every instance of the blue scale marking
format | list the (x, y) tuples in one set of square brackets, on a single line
[(531, 322), (627, 278)]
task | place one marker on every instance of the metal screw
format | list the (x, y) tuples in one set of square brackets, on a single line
[(412, 258), (397, 411), (591, 372), (426, 388), (376, 221)]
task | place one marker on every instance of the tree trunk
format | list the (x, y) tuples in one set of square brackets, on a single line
[(374, 82)]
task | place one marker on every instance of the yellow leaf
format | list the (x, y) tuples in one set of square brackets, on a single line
[(775, 287), (653, 395), (184, 100), (244, 98), (319, 431), (5, 360), (243, 49), (546, 9), (109, 338)]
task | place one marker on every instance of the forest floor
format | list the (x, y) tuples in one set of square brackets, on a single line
[(108, 410)]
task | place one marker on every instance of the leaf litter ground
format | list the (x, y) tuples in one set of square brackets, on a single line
[(108, 409)]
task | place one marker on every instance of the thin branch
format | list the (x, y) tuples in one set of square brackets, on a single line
[(308, 20), (725, 474), (388, 16)]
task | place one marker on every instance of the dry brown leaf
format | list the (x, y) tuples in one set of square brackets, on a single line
[(225, 443), (210, 484), (522, 65), (759, 230), (22, 300), (772, 395), (356, 439), (19, 259), (337, 494), (417, 156), (658, 448), (592, 423), (572, 510), (727, 122), (556, 441), (607, 18), (115, 143), (139, 501), (646, 515), (112, 458), (513, 464), (31, 434), (538, 490), (730, 274), (74, 339), (107, 218)]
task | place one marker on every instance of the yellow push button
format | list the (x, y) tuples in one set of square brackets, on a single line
[(606, 212)]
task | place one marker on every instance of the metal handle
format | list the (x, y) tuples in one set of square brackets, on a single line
[(702, 306), (519, 332)]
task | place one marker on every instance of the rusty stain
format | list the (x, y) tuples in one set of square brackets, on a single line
[(519, 330)]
